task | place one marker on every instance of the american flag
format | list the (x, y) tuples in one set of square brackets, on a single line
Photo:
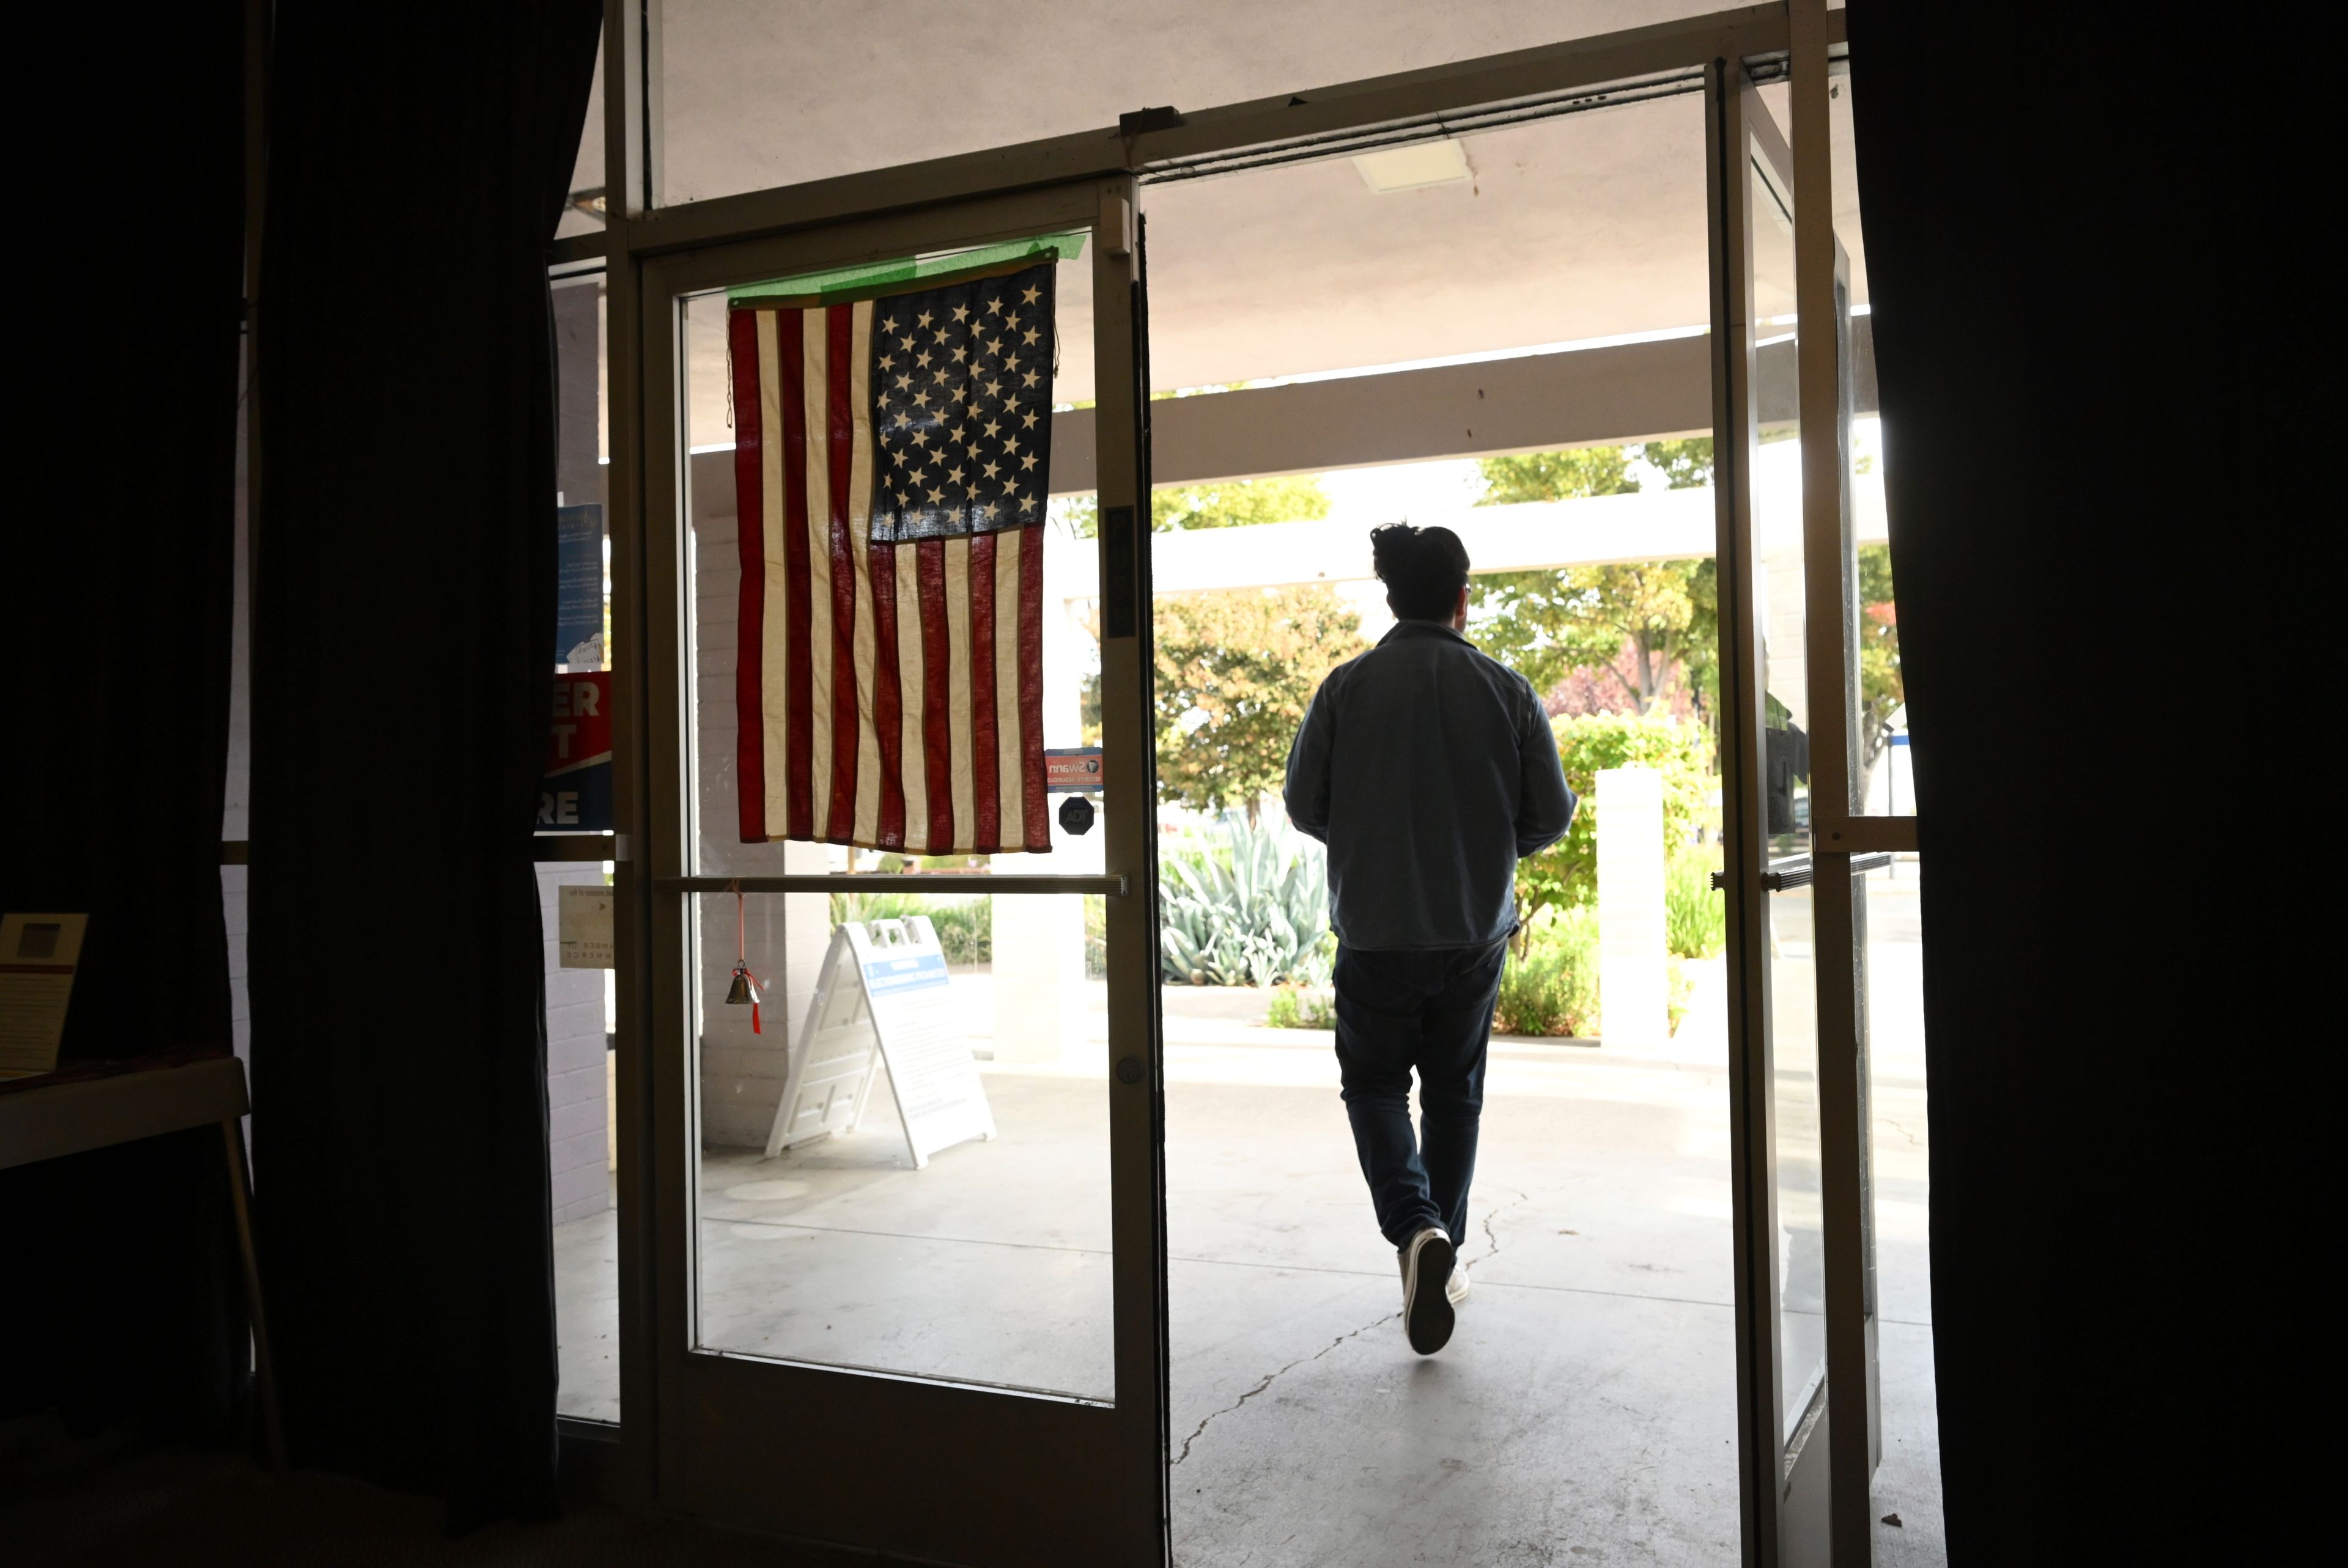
[(889, 462)]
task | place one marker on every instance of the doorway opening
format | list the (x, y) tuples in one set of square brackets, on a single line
[(1504, 330), (1504, 333)]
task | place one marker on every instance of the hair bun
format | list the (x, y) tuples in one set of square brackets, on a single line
[(1394, 547), (1422, 569)]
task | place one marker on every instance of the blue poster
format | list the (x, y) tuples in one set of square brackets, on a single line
[(578, 594)]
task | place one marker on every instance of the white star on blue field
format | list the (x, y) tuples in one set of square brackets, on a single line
[(962, 407)]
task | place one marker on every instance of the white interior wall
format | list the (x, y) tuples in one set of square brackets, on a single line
[(578, 1078), (783, 935)]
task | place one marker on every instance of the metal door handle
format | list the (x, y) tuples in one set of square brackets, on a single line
[(1796, 871)]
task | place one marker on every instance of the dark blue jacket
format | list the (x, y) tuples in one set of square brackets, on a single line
[(1429, 770)]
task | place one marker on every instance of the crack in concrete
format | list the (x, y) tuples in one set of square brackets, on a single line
[(1491, 1240), (1271, 1378), (1492, 1250), (1903, 1131)]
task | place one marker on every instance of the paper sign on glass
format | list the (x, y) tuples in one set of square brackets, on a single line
[(583, 935)]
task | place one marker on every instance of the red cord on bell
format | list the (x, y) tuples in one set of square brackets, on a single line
[(746, 987)]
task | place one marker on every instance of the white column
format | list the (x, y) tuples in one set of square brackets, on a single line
[(1039, 972), (1634, 998)]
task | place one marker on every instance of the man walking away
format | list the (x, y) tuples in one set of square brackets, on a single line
[(1429, 770)]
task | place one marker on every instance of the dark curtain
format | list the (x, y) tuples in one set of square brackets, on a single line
[(402, 685), (121, 1295), (2095, 330)]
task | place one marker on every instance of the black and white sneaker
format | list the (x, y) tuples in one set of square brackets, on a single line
[(1426, 1303)]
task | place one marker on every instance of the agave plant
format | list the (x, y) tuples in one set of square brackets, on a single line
[(1252, 910)]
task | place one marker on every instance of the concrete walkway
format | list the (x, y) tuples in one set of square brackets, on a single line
[(1583, 1412)]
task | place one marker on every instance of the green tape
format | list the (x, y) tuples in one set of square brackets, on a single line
[(868, 279)]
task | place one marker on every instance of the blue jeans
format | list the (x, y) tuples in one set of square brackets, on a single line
[(1429, 1008)]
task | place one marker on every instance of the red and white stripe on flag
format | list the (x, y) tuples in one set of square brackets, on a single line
[(888, 695)]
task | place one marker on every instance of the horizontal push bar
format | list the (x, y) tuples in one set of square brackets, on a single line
[(1115, 885)]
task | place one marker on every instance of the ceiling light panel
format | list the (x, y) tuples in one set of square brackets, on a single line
[(1415, 168)]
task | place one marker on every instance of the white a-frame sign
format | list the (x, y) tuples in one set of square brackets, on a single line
[(882, 997)]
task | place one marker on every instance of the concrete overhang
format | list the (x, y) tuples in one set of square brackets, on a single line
[(1525, 403), (1653, 525)]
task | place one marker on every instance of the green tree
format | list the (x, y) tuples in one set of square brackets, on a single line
[(1595, 471), (1227, 504), (1664, 614), (1558, 476), (1546, 624), (1236, 503), (1684, 464), (1234, 672), (1881, 687)]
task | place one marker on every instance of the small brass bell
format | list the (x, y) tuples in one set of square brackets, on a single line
[(739, 993)]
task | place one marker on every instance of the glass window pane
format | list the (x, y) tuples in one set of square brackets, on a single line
[(576, 798), (584, 1145), (1801, 1237), (862, 1242), (900, 81), (1548, 235), (1879, 782), (1899, 1293), (585, 213), (1779, 605), (1598, 1235), (868, 1238)]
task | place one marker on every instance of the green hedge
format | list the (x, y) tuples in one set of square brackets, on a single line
[(1695, 917), (965, 927), (1551, 988), (1301, 1006)]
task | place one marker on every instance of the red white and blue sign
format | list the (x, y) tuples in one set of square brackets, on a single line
[(576, 794)]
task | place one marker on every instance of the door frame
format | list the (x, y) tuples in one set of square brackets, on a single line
[(1807, 1499), (1065, 1477), (1767, 1457), (642, 233), (1846, 843)]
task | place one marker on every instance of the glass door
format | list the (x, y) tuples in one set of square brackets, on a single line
[(1773, 987), (909, 1285)]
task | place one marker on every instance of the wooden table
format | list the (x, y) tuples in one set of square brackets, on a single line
[(45, 1120)]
